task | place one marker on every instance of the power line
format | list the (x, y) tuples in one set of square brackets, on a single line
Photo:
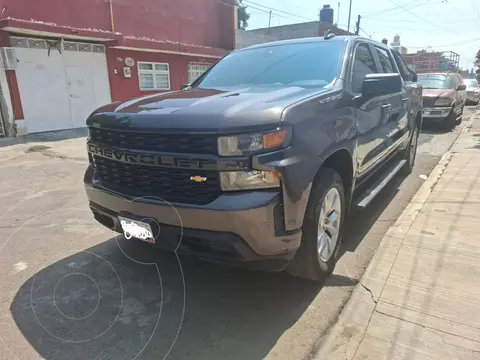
[(445, 45), (428, 21), (393, 9), (370, 36), (278, 10), (253, 7)]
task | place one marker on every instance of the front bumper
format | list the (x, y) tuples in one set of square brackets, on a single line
[(239, 229), (436, 113)]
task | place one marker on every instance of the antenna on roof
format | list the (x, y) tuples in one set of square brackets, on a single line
[(329, 34)]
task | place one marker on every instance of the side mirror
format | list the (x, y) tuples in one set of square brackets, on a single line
[(414, 77), (375, 85), (186, 86), (462, 87)]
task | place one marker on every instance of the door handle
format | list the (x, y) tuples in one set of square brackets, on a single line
[(405, 100), (386, 106)]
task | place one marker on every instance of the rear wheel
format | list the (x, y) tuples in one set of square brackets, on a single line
[(322, 229)]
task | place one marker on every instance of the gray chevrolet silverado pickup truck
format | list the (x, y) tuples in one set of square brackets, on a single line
[(258, 162)]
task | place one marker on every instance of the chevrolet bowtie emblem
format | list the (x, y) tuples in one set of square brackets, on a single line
[(198, 178)]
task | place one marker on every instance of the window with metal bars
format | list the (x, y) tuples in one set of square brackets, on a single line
[(153, 76), (195, 70)]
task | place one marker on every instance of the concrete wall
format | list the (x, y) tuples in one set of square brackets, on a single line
[(293, 31), (249, 38), (199, 22)]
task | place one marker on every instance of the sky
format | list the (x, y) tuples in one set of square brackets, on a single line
[(439, 25)]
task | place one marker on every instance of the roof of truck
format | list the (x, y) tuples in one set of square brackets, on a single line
[(336, 38)]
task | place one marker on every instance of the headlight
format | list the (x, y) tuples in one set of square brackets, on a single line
[(442, 102), (246, 144), (248, 180), (477, 92)]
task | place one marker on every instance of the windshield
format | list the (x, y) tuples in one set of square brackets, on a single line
[(435, 82), (471, 83), (314, 64)]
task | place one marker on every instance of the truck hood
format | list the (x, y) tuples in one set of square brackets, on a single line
[(439, 93), (211, 110)]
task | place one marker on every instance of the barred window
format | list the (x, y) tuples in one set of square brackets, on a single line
[(195, 70), (153, 76)]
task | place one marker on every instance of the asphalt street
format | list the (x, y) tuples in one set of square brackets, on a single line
[(71, 289)]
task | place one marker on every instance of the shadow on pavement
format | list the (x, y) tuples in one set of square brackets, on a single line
[(117, 301), (360, 221), (121, 300), (49, 136)]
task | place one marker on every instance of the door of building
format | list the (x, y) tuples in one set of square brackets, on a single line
[(59, 89)]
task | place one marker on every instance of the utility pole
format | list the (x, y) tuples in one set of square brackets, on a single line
[(269, 20), (349, 15), (357, 30), (338, 13)]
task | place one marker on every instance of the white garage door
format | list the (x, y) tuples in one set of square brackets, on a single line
[(59, 91)]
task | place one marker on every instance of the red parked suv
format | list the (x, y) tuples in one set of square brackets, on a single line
[(444, 97)]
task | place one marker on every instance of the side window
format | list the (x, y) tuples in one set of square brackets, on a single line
[(453, 82), (363, 64), (406, 74), (385, 60)]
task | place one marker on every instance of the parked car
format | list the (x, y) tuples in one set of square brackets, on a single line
[(258, 162), (473, 91), (444, 97)]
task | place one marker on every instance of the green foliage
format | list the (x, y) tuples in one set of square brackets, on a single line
[(477, 64), (243, 15)]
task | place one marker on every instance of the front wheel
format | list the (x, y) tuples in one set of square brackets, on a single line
[(322, 228), (451, 120)]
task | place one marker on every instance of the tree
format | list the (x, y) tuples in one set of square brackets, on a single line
[(243, 15), (477, 64)]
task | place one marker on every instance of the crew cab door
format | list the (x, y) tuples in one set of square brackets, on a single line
[(414, 90), (377, 121), (395, 117), (367, 116)]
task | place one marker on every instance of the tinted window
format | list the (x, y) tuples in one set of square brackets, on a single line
[(363, 64), (406, 74), (436, 81), (314, 64), (385, 60)]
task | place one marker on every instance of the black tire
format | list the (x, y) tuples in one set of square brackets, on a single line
[(459, 120), (411, 154), (451, 120), (307, 263)]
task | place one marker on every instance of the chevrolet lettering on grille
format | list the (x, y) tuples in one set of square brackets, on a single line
[(151, 159)]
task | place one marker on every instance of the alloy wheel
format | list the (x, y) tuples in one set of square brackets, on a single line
[(329, 225)]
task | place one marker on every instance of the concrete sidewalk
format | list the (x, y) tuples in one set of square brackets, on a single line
[(420, 296)]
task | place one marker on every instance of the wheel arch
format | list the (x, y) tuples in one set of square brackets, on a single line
[(341, 160)]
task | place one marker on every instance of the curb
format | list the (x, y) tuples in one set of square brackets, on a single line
[(343, 339)]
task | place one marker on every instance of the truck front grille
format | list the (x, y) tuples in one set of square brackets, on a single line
[(172, 185), (171, 143)]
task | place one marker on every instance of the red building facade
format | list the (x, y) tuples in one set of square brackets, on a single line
[(148, 46)]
